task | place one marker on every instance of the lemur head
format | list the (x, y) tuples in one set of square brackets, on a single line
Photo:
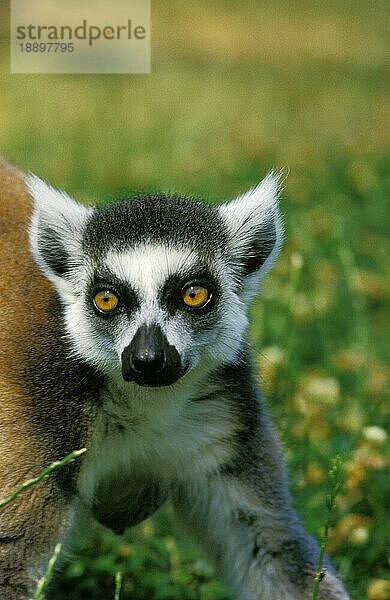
[(155, 286)]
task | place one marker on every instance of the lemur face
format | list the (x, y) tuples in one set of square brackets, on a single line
[(159, 305), (155, 286)]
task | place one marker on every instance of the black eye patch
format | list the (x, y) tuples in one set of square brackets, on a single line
[(171, 295), (105, 280)]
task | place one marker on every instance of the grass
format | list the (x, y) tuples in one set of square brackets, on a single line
[(45, 473), (236, 90), (335, 484), (45, 580)]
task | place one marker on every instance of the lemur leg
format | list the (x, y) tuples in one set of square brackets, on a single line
[(35, 521), (260, 551), (29, 528)]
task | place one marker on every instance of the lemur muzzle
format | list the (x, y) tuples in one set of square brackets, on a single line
[(150, 360)]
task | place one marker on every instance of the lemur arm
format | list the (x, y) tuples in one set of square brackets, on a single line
[(260, 552), (243, 517)]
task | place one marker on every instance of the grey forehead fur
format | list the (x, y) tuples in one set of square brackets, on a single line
[(158, 219)]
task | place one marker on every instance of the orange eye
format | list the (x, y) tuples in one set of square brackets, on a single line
[(105, 301), (196, 296)]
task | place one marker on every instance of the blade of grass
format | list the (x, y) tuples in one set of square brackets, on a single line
[(44, 581), (118, 585), (45, 473), (334, 478)]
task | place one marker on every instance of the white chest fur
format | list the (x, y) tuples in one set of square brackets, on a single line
[(175, 434)]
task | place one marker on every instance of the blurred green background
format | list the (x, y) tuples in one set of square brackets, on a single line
[(238, 88)]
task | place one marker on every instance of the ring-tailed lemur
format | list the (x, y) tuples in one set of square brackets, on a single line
[(131, 340)]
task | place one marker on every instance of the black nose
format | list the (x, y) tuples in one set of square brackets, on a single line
[(146, 360), (150, 360)]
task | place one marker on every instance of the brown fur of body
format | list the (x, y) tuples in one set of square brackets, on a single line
[(43, 416)]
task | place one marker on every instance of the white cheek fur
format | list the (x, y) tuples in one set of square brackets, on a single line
[(91, 342), (101, 345)]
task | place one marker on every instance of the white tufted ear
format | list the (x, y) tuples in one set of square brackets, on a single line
[(56, 230), (255, 229)]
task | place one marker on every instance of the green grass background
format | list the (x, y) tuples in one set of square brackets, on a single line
[(238, 88)]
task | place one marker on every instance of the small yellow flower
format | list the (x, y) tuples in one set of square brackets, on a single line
[(351, 419), (359, 536), (324, 390), (355, 474), (269, 361), (170, 543), (371, 285), (125, 549), (302, 309), (375, 434), (349, 360), (314, 474), (378, 379), (322, 302), (296, 261), (378, 589), (148, 528), (354, 528)]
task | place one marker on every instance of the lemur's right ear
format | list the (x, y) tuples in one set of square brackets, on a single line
[(56, 229)]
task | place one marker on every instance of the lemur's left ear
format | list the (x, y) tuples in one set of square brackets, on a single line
[(254, 228), (55, 231)]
